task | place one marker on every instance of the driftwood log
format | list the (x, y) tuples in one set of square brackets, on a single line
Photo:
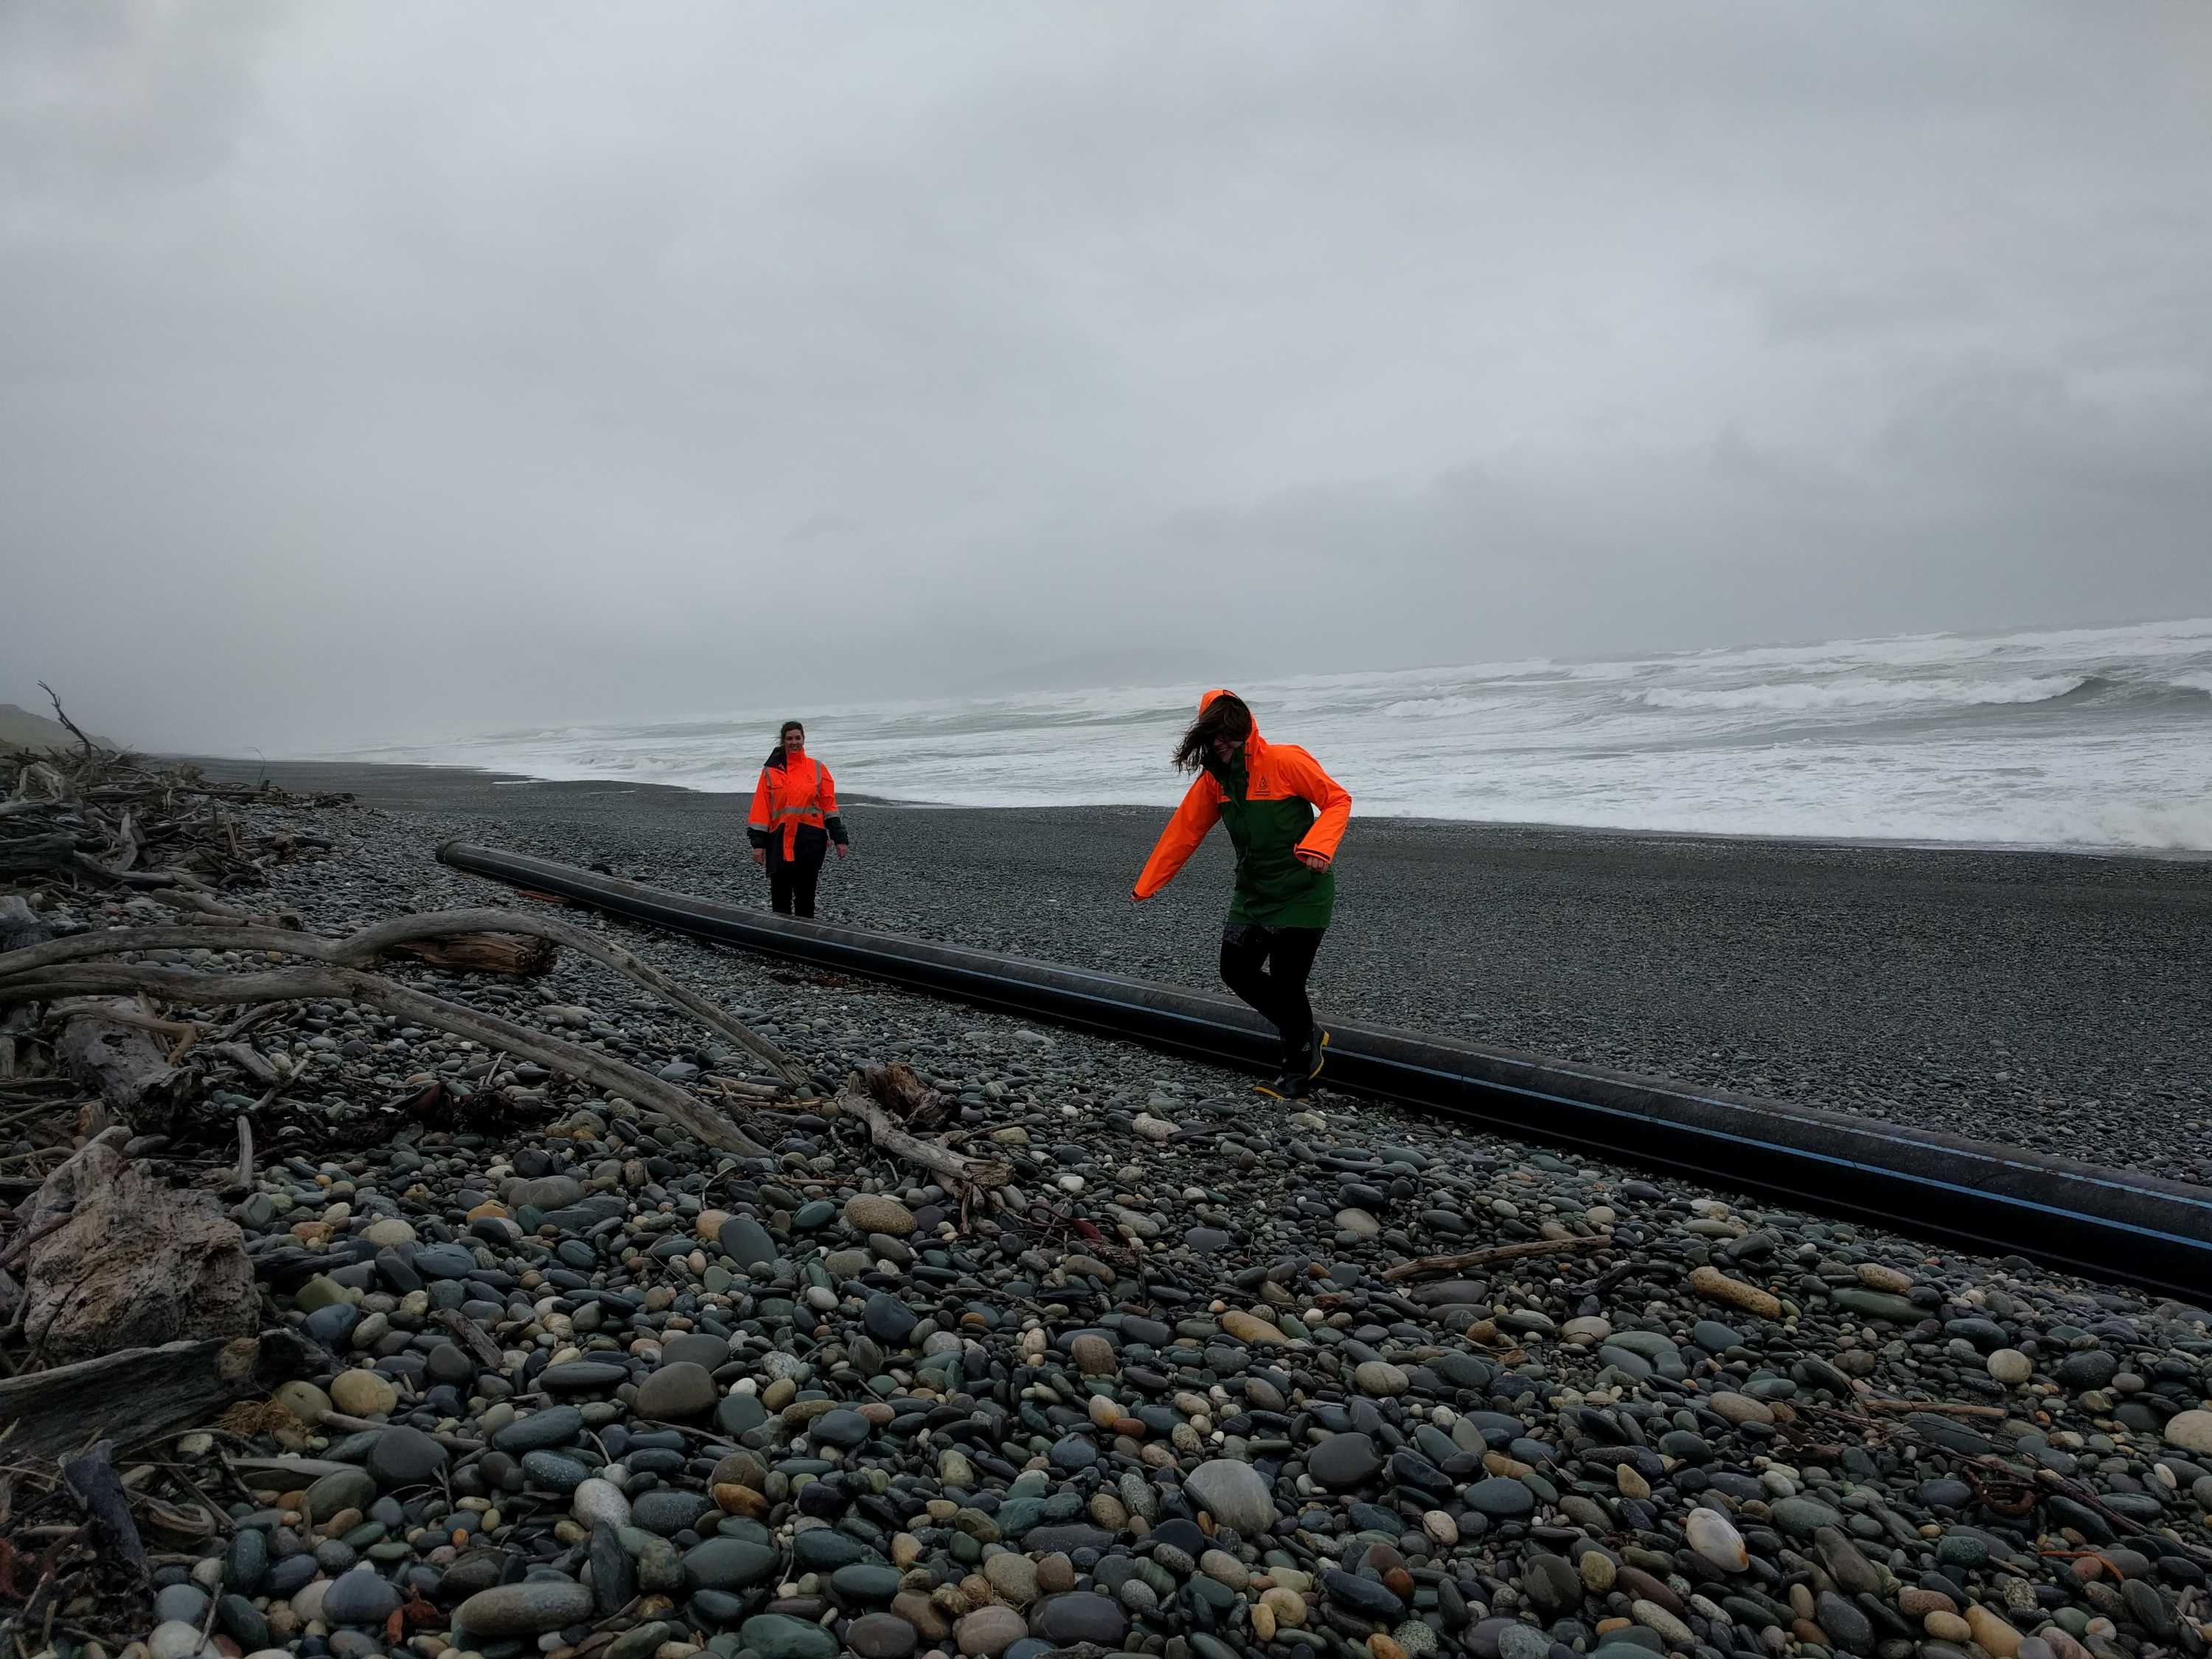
[(484, 953), (1935, 1407), (91, 1479), (183, 1032), (602, 1071), (360, 949), (17, 1026), (117, 1258), (250, 1061), (206, 911), (887, 1097), (138, 1393), (38, 856), (472, 1336), (119, 1060), (38, 784), (1437, 1267)]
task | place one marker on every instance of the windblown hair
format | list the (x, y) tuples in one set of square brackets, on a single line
[(1226, 716), (775, 755)]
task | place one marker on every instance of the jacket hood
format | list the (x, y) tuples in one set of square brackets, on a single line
[(1206, 701)]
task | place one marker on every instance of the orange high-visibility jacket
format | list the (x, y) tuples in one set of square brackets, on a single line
[(1277, 803), (791, 794)]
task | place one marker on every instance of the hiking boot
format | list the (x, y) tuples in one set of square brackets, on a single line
[(1309, 1062), (1284, 1085)]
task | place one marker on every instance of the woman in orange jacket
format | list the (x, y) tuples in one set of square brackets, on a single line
[(793, 822), (1285, 816)]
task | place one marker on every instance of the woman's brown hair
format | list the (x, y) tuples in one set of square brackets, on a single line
[(1226, 717)]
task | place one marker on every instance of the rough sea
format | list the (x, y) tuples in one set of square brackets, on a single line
[(2087, 737)]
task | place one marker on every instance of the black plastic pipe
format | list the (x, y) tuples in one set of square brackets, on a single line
[(2107, 1223)]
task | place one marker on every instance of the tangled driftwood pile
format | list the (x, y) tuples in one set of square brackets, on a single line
[(136, 972), (98, 820)]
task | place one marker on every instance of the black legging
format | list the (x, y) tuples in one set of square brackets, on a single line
[(791, 882), (1267, 967)]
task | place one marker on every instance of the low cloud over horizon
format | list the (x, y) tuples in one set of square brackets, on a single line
[(372, 370)]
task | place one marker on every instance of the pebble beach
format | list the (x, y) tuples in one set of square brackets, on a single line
[(1171, 1398), (2054, 1001), (1697, 499)]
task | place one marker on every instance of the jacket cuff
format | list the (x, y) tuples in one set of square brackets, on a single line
[(759, 837), (835, 826)]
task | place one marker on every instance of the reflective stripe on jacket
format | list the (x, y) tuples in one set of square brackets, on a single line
[(1277, 803), (791, 794)]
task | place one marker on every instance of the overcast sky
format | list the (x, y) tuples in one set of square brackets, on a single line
[(377, 370)]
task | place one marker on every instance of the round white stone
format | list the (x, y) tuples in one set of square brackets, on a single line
[(2191, 1431)]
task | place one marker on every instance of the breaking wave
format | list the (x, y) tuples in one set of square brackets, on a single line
[(1809, 697), (2079, 737)]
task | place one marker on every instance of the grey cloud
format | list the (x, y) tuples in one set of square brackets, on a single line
[(1796, 312), (101, 95), (376, 370)]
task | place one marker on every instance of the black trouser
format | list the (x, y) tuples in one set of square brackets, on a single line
[(1267, 967), (791, 881)]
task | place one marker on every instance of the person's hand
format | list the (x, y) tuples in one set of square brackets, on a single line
[(843, 850), (760, 857), (1314, 860)]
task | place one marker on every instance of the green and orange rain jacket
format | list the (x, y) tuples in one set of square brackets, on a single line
[(1278, 803), (792, 795)]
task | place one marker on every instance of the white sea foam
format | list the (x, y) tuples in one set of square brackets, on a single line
[(2074, 737), (1798, 697)]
